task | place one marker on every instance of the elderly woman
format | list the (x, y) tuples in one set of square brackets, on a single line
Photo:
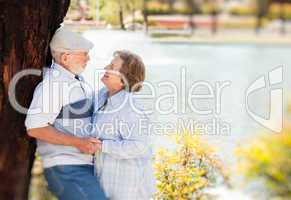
[(124, 162)]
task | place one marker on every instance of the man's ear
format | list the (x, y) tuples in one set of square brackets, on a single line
[(64, 58)]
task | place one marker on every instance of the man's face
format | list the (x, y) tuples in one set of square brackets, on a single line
[(76, 61)]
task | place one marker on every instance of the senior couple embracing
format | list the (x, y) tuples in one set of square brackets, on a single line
[(105, 161)]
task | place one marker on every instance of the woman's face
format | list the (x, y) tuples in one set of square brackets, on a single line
[(112, 78)]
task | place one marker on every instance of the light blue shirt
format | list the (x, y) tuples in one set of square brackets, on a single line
[(124, 166), (62, 101)]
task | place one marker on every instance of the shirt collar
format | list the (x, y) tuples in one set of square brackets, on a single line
[(63, 70)]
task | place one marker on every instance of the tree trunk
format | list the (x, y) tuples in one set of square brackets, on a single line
[(262, 7), (122, 26), (171, 5), (26, 28), (282, 17), (133, 18), (145, 16), (214, 23), (259, 23), (192, 11), (191, 24)]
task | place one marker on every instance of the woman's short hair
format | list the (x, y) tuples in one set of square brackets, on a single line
[(133, 70)]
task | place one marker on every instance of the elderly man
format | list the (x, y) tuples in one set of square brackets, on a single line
[(60, 104)]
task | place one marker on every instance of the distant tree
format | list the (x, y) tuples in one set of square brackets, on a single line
[(145, 15), (171, 4), (121, 14), (192, 6), (214, 10), (83, 8), (132, 7), (262, 7), (113, 11), (282, 16)]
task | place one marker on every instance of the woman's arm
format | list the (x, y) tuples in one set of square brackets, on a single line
[(134, 129)]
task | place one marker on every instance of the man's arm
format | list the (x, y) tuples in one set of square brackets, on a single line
[(38, 120), (53, 136)]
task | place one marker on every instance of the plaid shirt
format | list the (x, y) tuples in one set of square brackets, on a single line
[(124, 166)]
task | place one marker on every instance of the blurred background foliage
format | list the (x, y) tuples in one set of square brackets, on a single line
[(204, 7), (268, 159), (225, 14), (38, 184)]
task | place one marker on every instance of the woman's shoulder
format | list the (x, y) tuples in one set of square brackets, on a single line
[(133, 104)]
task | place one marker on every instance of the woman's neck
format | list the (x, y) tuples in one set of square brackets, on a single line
[(114, 91)]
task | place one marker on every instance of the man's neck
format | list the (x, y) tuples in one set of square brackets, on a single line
[(66, 67)]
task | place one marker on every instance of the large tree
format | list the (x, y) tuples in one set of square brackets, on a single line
[(26, 27)]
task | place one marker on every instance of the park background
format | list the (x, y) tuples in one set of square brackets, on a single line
[(213, 40)]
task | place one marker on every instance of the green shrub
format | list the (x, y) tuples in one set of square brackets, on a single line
[(156, 8), (244, 24), (208, 8), (242, 11), (274, 12)]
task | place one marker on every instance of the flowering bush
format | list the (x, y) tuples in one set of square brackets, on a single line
[(187, 171), (268, 158)]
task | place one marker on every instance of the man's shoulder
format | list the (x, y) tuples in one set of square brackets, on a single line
[(52, 74), (52, 77)]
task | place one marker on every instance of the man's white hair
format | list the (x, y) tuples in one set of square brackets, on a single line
[(57, 55)]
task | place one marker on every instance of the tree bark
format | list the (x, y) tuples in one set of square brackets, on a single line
[(26, 27)]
